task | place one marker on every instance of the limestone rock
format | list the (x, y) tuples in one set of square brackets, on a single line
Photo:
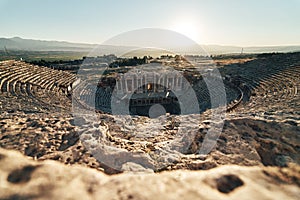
[(23, 178)]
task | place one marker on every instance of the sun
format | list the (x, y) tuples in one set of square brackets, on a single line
[(188, 27)]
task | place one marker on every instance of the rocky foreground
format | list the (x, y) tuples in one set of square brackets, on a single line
[(24, 178), (43, 154)]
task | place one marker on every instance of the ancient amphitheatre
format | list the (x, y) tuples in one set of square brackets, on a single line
[(257, 153)]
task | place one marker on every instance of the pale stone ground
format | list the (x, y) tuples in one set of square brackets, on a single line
[(24, 178), (255, 157)]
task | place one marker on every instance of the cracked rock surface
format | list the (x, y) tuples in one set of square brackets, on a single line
[(24, 178)]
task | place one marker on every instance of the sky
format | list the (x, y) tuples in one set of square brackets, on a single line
[(222, 22)]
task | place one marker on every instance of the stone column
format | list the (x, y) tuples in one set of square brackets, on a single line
[(145, 83), (117, 85), (140, 81), (167, 82), (122, 86), (154, 82), (180, 83), (132, 84), (126, 88), (174, 83), (137, 81)]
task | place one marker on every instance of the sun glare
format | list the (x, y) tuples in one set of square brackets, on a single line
[(187, 27)]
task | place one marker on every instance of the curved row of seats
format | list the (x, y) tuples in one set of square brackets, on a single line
[(46, 78), (236, 101), (267, 81), (276, 89), (39, 85)]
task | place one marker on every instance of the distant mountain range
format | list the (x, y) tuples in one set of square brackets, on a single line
[(17, 43)]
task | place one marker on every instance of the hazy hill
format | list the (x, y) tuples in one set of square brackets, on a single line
[(17, 43)]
